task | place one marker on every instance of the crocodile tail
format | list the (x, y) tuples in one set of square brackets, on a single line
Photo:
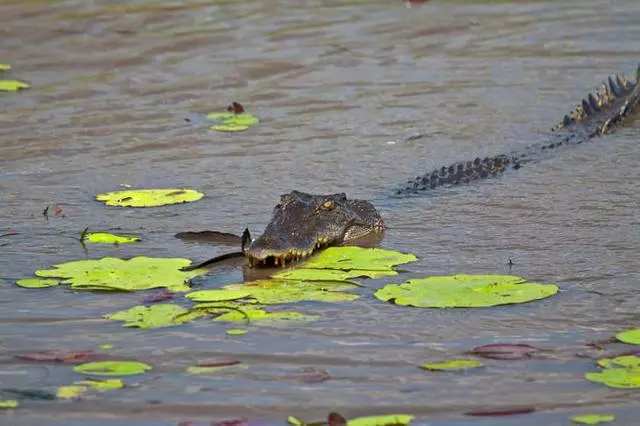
[(601, 112)]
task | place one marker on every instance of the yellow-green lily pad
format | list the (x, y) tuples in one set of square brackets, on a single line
[(622, 378), (109, 273), (385, 420), (312, 274), (231, 122), (236, 332), (631, 337), (154, 316), (149, 197), (70, 391), (37, 283), (8, 403), (452, 365), (348, 258), (465, 291), (82, 386), (627, 361), (12, 85), (107, 238), (593, 419), (217, 295), (253, 313), (5, 67), (113, 368), (282, 291)]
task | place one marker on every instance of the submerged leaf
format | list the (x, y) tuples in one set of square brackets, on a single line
[(106, 238), (109, 273), (113, 368), (37, 283), (149, 197), (452, 365), (631, 337), (465, 291), (155, 316), (593, 419), (348, 258), (12, 85)]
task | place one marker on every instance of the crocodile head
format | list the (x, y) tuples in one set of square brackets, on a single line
[(304, 223)]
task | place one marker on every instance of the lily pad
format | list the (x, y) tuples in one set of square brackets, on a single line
[(631, 337), (217, 295), (8, 403), (348, 258), (163, 315), (106, 238), (253, 313), (5, 67), (282, 291), (80, 387), (627, 361), (113, 368), (109, 273), (621, 378), (465, 291), (12, 85), (593, 419), (236, 119), (334, 418), (37, 283), (236, 332), (149, 197), (312, 274), (70, 391), (453, 365)]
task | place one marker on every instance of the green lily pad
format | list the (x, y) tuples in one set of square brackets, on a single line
[(230, 122), (253, 313), (163, 315), (102, 385), (113, 368), (217, 295), (631, 337), (348, 258), (106, 238), (622, 378), (311, 274), (109, 273), (236, 332), (593, 419), (387, 420), (149, 197), (12, 85), (37, 283), (627, 361), (270, 292), (5, 67), (464, 291), (458, 364), (8, 403)]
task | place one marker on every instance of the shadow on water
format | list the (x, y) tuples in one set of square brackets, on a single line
[(353, 98)]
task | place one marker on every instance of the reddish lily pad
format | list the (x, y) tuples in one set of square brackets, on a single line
[(504, 351)]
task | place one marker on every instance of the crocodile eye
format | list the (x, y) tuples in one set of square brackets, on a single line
[(327, 205)]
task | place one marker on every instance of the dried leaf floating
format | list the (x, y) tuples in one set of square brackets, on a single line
[(504, 351), (465, 291), (149, 197)]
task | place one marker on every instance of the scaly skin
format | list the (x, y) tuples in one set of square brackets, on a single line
[(304, 223)]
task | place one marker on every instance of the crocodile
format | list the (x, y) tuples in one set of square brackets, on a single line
[(303, 224)]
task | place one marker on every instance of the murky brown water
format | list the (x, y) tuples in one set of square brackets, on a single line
[(334, 82)]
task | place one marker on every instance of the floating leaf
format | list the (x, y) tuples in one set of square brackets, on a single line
[(106, 346), (281, 291), (631, 337), (233, 422), (5, 67), (234, 120), (312, 274), (217, 295), (622, 378), (504, 351), (109, 273), (8, 403), (155, 316), (627, 361), (80, 387), (149, 197), (211, 367), (37, 283), (106, 238), (253, 314), (465, 291), (113, 368), (312, 375), (236, 332), (69, 392), (593, 419), (451, 365), (388, 420), (12, 85), (348, 258)]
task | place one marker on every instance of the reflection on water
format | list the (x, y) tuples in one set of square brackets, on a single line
[(353, 97)]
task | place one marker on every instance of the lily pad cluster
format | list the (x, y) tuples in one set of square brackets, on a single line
[(465, 291), (621, 372), (11, 85)]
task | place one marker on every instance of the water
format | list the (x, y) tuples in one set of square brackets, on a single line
[(341, 88)]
